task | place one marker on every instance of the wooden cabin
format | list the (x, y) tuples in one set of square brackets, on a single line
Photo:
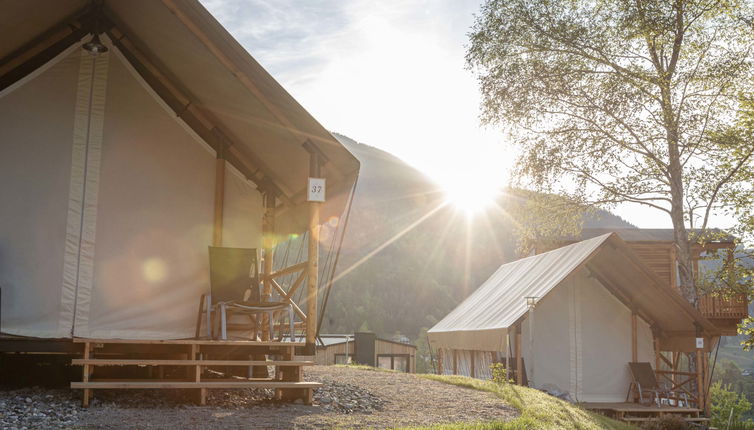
[(368, 349), (656, 248), (573, 317)]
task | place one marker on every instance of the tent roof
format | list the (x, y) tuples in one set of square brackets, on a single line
[(205, 75), (500, 302)]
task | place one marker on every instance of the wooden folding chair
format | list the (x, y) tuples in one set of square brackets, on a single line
[(234, 290), (645, 383)]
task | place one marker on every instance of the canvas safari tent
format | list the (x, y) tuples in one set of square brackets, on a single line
[(117, 170), (596, 308)]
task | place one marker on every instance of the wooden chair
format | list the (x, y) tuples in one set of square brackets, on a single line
[(645, 383), (234, 290)]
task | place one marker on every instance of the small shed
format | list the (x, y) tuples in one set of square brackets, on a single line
[(572, 319), (366, 348)]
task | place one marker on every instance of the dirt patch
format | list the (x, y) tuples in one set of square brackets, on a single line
[(350, 398)]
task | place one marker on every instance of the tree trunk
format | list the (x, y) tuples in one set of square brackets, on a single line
[(675, 173)]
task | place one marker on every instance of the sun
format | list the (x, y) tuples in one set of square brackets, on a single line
[(470, 194)]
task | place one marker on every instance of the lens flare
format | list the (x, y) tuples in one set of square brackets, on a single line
[(154, 270)]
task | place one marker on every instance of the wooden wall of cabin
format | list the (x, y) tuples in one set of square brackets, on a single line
[(327, 355)]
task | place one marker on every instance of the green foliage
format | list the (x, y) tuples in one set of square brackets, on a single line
[(424, 356), (740, 425), (500, 374), (616, 102), (727, 373), (538, 410), (726, 406)]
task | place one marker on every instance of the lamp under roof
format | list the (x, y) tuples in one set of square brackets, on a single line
[(95, 46)]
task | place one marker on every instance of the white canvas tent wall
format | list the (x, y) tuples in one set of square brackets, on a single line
[(581, 340), (107, 181)]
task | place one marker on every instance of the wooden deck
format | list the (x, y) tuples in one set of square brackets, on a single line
[(197, 364), (636, 413)]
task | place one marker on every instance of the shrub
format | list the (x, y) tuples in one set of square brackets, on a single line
[(668, 422), (499, 373), (726, 406)]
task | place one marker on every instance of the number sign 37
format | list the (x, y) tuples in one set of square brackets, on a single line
[(316, 190)]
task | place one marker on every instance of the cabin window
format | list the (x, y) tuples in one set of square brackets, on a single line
[(341, 359), (399, 362)]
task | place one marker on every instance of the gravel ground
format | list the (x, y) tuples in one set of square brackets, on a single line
[(349, 398)]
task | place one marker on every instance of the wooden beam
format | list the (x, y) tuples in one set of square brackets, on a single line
[(313, 257), (440, 369), (473, 364), (296, 309), (288, 270), (268, 245), (217, 228), (634, 338), (519, 358), (700, 378), (44, 47), (455, 361)]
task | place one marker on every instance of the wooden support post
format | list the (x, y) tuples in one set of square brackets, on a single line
[(440, 370), (473, 364), (634, 337), (519, 358), (202, 394), (85, 376), (673, 268), (217, 228), (313, 266), (705, 368), (455, 361), (700, 378), (268, 244)]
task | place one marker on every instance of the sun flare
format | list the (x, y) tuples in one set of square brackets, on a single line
[(470, 194)]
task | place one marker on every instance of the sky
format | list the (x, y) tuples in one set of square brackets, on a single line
[(388, 73)]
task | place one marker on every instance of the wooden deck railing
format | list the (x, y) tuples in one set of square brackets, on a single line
[(680, 383), (734, 306)]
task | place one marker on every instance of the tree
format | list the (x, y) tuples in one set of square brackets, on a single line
[(618, 101), (726, 406)]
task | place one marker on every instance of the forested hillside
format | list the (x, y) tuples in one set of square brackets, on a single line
[(409, 260)]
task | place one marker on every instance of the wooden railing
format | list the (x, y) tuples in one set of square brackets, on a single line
[(734, 306), (681, 384)]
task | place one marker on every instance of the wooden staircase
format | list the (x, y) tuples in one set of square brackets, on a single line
[(187, 364)]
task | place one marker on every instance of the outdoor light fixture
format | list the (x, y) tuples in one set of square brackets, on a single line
[(94, 46), (531, 301)]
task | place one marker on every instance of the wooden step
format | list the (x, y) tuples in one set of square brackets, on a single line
[(647, 419), (148, 362), (187, 342), (177, 385)]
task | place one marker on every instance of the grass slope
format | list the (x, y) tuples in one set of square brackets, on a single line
[(538, 410)]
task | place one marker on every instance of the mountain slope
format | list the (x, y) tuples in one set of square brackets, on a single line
[(408, 258)]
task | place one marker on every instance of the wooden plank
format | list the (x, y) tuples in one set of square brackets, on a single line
[(186, 342), (312, 269), (190, 384), (287, 271), (148, 362), (519, 358), (296, 309), (634, 337), (85, 376), (217, 227)]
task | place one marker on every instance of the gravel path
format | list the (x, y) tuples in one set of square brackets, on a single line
[(349, 398)]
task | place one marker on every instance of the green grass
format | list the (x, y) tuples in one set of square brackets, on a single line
[(538, 410)]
